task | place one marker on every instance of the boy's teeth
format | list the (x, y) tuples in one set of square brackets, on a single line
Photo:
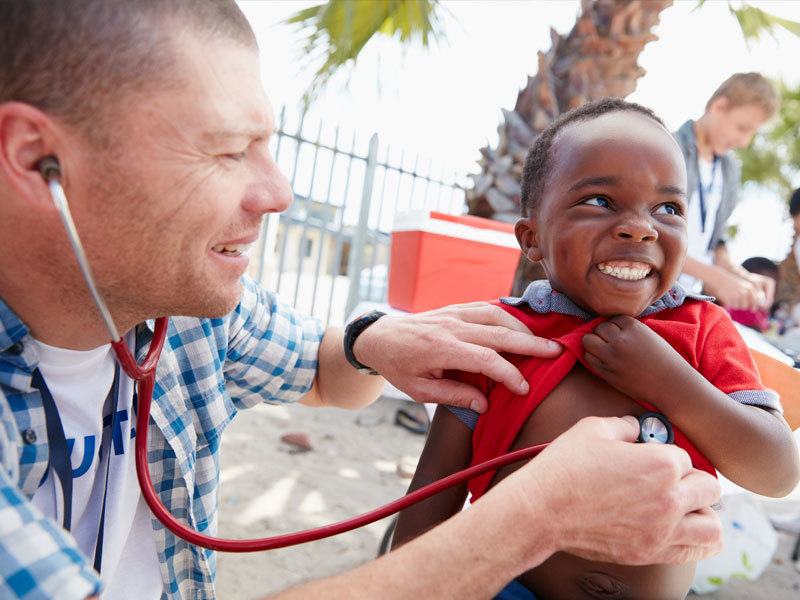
[(629, 271)]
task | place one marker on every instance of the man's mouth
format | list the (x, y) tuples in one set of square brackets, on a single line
[(231, 249), (625, 270)]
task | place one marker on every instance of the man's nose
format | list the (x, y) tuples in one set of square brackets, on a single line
[(273, 193), (635, 228)]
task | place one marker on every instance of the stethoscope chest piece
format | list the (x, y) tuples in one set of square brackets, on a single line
[(655, 429)]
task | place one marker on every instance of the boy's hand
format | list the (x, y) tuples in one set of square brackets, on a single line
[(633, 358)]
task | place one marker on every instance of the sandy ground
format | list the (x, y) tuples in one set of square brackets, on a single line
[(268, 489)]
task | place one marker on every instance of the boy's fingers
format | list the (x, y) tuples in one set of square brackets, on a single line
[(452, 393), (607, 330), (593, 344)]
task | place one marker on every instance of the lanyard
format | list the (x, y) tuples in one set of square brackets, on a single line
[(59, 454), (702, 190)]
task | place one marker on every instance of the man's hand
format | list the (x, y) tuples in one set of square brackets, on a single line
[(735, 291), (595, 494), (413, 352), (621, 349)]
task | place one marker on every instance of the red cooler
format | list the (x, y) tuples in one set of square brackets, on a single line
[(440, 259)]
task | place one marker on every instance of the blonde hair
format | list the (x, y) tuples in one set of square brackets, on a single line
[(742, 89)]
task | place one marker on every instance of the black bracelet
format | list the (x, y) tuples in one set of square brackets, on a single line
[(354, 329)]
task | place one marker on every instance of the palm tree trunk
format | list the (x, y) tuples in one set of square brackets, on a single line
[(598, 58)]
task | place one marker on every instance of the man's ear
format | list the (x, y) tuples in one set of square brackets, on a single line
[(527, 234), (25, 138)]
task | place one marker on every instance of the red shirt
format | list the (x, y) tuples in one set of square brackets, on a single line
[(701, 332)]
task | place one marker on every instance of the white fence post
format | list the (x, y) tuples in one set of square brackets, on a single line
[(355, 260)]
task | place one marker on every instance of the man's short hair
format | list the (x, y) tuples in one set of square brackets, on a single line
[(742, 89), (75, 58), (537, 162), (794, 203)]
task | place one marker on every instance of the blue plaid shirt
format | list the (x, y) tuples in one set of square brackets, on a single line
[(210, 368)]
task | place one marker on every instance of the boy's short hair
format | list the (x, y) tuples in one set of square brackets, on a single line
[(742, 89), (794, 203), (761, 266), (538, 158)]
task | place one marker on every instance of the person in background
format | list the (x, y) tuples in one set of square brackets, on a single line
[(788, 291), (733, 114), (758, 318)]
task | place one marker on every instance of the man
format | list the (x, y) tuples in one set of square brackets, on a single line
[(733, 114), (156, 115)]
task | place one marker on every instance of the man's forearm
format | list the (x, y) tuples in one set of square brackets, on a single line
[(466, 557), (698, 269), (338, 384)]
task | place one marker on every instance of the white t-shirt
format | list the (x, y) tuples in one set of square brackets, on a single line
[(79, 383), (699, 236)]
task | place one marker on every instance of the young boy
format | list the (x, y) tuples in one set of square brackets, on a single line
[(604, 199)]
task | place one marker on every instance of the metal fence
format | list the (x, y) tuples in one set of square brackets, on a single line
[(330, 250)]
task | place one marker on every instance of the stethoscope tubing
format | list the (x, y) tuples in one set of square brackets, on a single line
[(145, 395), (144, 375)]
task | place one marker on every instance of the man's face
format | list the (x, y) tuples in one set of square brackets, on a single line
[(610, 227), (167, 219), (732, 127)]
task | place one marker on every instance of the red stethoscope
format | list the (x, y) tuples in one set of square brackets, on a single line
[(654, 427)]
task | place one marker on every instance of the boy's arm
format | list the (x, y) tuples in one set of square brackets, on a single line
[(447, 450), (752, 446)]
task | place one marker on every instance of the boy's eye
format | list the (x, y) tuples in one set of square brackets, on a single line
[(668, 209), (597, 201)]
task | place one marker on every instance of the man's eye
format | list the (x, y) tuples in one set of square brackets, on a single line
[(237, 156), (597, 201), (668, 209)]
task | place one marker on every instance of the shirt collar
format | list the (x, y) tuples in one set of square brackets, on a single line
[(542, 298), (12, 329)]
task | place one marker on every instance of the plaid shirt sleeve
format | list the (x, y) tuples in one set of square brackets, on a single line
[(273, 351), (38, 559)]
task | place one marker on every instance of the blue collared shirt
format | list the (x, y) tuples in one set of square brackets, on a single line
[(263, 351)]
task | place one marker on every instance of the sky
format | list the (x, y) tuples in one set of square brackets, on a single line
[(444, 103)]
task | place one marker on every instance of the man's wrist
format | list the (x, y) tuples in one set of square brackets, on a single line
[(354, 335)]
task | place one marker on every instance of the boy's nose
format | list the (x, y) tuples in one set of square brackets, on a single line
[(635, 229)]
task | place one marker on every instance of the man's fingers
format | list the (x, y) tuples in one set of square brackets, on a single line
[(482, 313), (698, 490), (623, 429), (503, 339), (452, 393), (477, 359), (697, 536)]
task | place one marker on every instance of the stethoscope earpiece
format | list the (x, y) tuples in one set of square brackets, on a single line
[(49, 168), (654, 428)]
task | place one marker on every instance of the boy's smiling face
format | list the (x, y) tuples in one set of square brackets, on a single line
[(610, 225)]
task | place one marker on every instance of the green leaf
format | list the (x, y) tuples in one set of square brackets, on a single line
[(338, 31), (754, 22), (715, 580)]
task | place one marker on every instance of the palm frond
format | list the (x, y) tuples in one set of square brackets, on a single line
[(339, 30)]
